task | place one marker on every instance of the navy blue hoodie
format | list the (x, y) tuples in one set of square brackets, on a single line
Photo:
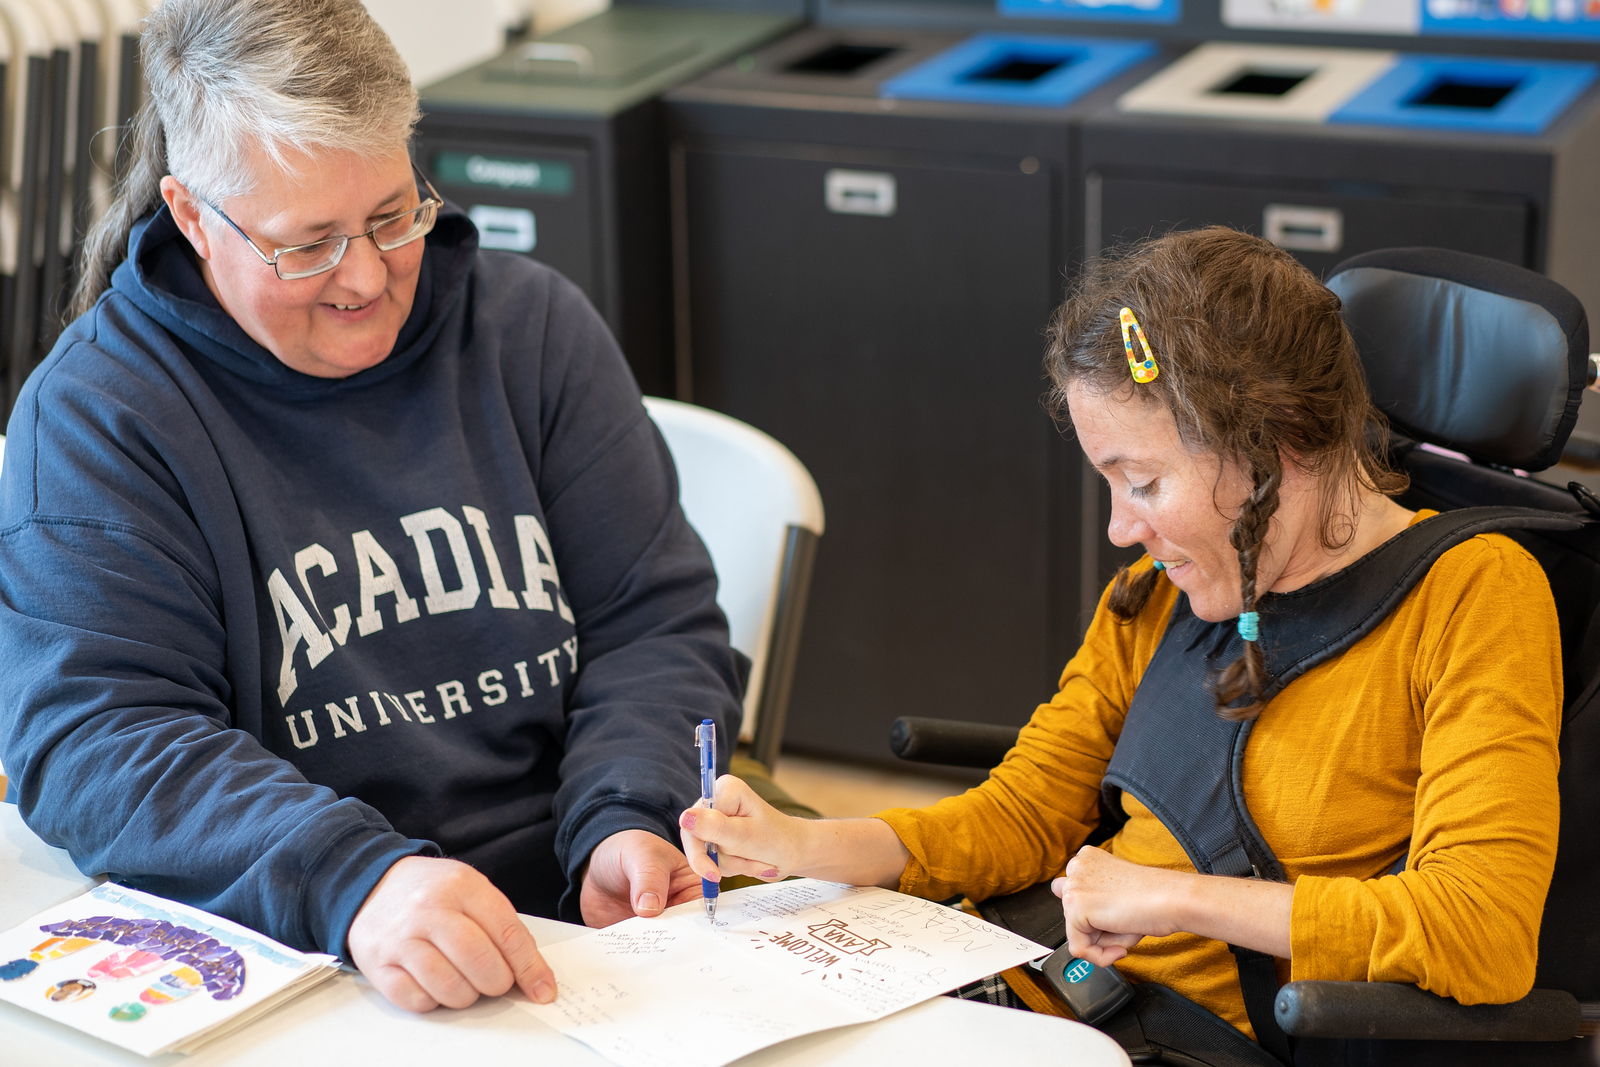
[(263, 634)]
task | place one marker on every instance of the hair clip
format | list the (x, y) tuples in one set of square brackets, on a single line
[(1144, 371)]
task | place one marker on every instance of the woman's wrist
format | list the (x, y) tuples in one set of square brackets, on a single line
[(1247, 912), (826, 849), (808, 845), (853, 851), (1186, 900)]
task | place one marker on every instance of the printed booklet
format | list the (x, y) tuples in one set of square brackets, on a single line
[(149, 974)]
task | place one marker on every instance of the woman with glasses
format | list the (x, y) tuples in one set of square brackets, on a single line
[(333, 546)]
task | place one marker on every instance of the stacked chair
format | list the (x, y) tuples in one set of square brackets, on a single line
[(70, 85), (21, 156)]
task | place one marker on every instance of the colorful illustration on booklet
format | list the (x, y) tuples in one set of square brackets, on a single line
[(147, 944), (169, 987), (71, 989), (129, 964), (218, 968), (50, 949), (149, 975), (10, 972), (164, 990)]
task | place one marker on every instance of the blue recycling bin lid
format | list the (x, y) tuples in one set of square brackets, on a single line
[(1470, 93), (1036, 70), (1167, 11)]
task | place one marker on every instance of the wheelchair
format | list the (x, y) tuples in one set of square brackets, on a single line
[(1480, 367)]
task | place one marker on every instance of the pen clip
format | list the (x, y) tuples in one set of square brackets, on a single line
[(705, 739)]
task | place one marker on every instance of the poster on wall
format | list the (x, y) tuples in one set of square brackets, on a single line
[(1554, 19), (1330, 16), (1551, 19), (1104, 10)]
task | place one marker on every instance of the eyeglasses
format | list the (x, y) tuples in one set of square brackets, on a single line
[(303, 261)]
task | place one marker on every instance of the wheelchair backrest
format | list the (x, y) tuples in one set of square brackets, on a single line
[(1480, 367)]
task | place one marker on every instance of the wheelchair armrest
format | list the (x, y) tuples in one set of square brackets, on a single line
[(955, 744), (1390, 1010)]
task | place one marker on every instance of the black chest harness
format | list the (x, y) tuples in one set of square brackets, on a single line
[(1184, 763)]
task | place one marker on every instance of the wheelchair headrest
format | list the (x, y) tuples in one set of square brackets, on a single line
[(1468, 352)]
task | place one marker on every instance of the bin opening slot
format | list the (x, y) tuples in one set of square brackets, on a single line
[(1018, 68), (1263, 82), (1474, 95), (842, 58)]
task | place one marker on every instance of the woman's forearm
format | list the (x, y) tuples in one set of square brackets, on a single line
[(1110, 904), (1247, 912), (754, 838), (853, 851)]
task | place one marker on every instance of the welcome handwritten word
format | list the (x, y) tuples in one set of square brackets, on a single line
[(801, 947)]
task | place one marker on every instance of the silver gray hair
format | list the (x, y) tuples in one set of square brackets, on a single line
[(232, 78)]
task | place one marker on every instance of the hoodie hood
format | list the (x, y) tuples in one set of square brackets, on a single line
[(162, 278)]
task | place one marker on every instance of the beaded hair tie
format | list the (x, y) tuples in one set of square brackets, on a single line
[(1250, 626)]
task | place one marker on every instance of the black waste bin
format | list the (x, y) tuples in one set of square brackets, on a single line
[(867, 277), (555, 148), (1427, 150)]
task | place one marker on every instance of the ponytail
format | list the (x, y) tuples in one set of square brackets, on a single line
[(138, 193)]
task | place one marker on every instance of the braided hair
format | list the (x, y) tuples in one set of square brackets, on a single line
[(1256, 365)]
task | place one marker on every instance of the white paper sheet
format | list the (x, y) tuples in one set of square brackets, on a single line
[(194, 975), (660, 992), (783, 960)]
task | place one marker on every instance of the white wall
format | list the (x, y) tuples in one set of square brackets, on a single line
[(436, 38), (551, 15)]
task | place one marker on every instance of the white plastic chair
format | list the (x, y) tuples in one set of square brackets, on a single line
[(760, 515), (3, 786)]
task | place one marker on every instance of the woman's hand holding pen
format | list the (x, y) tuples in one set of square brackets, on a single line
[(756, 839)]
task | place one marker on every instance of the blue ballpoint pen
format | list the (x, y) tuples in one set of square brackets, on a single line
[(705, 739)]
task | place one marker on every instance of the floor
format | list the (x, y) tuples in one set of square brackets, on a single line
[(1585, 473), (842, 790)]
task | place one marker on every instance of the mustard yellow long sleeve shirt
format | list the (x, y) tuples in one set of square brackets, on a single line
[(1435, 735)]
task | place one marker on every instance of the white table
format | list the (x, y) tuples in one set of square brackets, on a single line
[(345, 1020)]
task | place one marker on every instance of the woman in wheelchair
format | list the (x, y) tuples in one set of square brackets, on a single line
[(1392, 818)]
